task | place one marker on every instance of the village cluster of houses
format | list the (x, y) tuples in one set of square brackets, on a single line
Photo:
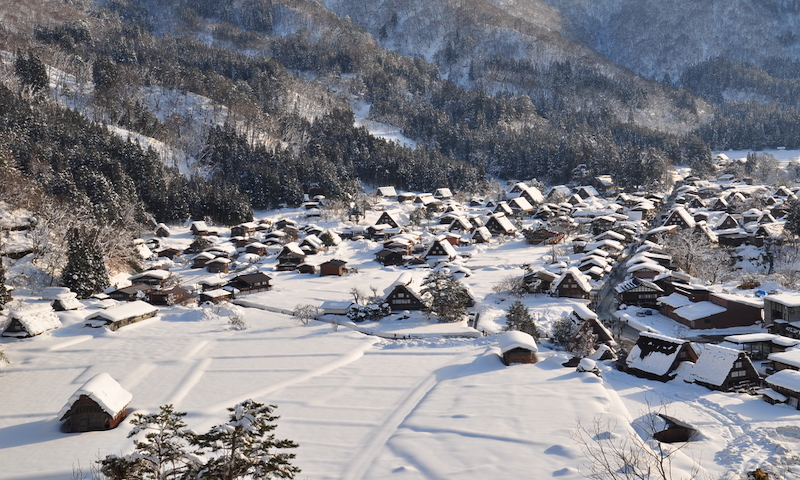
[(603, 228)]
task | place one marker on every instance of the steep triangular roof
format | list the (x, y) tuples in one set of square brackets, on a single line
[(105, 391)]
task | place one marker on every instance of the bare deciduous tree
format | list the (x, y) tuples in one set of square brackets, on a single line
[(307, 312), (628, 456)]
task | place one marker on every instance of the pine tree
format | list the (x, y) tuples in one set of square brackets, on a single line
[(563, 330), (449, 298), (793, 217), (519, 318), (31, 71), (161, 455), (4, 296), (85, 273), (245, 447)]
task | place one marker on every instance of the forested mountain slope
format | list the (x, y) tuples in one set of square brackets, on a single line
[(253, 101)]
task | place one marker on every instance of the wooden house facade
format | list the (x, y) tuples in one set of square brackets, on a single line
[(387, 218), (573, 284), (131, 293), (333, 267), (170, 296), (31, 321), (786, 384), (290, 257), (251, 282), (639, 292), (401, 296), (543, 236)]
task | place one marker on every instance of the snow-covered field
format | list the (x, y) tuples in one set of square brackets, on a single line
[(361, 404)]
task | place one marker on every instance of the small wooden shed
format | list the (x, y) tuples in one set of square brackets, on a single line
[(122, 315), (100, 404), (31, 320), (676, 430), (332, 267), (517, 347)]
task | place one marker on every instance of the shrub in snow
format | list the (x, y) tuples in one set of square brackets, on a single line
[(236, 321), (373, 311), (307, 312), (513, 285)]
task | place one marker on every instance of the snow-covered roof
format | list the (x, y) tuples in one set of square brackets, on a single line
[(698, 310), (662, 351), (448, 249), (581, 279), (293, 247), (777, 397), (789, 357), (751, 338), (216, 293), (583, 311), (203, 256), (714, 364), (788, 299), (514, 339), (219, 260), (757, 302), (387, 191), (35, 318), (788, 379), (646, 265), (675, 300), (123, 311), (155, 274), (56, 293), (104, 390), (785, 341)]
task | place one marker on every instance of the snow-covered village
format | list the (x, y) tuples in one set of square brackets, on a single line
[(417, 239), (541, 332)]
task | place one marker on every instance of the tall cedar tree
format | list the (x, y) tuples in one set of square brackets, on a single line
[(245, 447), (31, 71), (519, 318), (4, 296), (449, 298), (85, 273)]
